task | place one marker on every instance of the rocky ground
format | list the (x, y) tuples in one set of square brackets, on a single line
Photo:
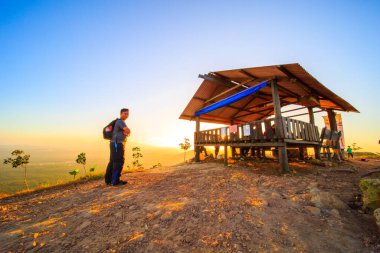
[(248, 207)]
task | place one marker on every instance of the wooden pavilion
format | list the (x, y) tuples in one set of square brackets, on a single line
[(250, 101)]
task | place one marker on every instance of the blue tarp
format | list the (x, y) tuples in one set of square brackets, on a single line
[(231, 99)]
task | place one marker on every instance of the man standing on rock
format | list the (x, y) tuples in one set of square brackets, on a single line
[(117, 148)]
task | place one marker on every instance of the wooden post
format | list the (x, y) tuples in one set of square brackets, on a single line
[(233, 150), (334, 127), (301, 153), (277, 110), (282, 152), (311, 115), (317, 149), (196, 147), (252, 151), (225, 155), (332, 120)]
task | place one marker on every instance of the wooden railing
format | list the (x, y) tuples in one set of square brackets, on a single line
[(259, 131), (299, 130)]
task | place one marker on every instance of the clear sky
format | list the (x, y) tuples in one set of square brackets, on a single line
[(67, 67)]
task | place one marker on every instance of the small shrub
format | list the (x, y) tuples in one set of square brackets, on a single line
[(74, 172)]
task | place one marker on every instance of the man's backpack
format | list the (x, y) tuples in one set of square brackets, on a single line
[(108, 130)]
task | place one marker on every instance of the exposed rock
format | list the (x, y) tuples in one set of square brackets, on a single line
[(347, 170), (275, 194), (167, 215), (314, 210), (316, 162), (312, 185), (314, 190), (335, 213), (119, 215), (371, 192), (321, 163), (327, 200), (188, 239), (83, 226), (54, 215), (376, 213)]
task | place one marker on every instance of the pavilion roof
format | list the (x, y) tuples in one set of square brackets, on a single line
[(295, 85)]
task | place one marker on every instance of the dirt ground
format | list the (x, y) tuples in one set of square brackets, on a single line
[(248, 207)]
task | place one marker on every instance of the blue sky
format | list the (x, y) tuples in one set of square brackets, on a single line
[(67, 67)]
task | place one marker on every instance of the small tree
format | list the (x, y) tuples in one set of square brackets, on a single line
[(92, 169), (81, 160), (185, 146), (158, 165), (136, 156), (355, 147), (20, 160), (74, 172)]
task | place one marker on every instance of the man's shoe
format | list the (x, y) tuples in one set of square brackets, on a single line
[(121, 182)]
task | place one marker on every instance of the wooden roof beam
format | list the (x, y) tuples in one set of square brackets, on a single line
[(296, 109), (230, 89), (263, 110), (245, 105), (218, 80), (230, 106), (288, 92), (269, 101), (247, 74), (255, 112), (304, 86), (294, 79), (302, 114), (230, 84)]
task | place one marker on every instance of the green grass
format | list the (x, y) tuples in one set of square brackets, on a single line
[(83, 179), (367, 155), (39, 176), (50, 166)]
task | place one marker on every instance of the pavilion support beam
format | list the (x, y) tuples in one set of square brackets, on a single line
[(311, 115), (196, 147), (332, 120), (225, 155), (283, 158), (282, 152), (301, 153)]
